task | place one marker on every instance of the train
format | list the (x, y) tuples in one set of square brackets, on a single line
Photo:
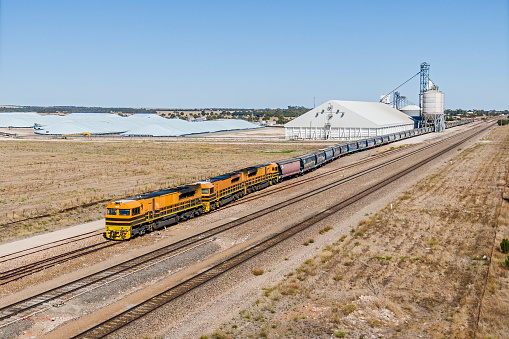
[(131, 217), (458, 123)]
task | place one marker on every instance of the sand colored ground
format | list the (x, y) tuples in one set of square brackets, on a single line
[(40, 177), (416, 270)]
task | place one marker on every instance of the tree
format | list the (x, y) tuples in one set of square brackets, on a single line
[(281, 120)]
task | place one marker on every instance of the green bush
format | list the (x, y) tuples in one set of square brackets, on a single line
[(504, 245)]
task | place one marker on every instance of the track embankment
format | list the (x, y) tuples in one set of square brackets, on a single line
[(421, 161), (417, 268)]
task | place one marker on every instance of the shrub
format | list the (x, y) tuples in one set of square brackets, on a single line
[(325, 229), (257, 271), (504, 245), (349, 308), (339, 334)]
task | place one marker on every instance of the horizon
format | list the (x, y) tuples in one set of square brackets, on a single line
[(167, 54)]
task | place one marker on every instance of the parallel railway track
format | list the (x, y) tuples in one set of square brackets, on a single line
[(43, 301), (26, 270), (47, 246), (138, 311), (9, 276), (310, 177)]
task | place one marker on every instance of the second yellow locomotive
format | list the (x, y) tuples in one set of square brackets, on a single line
[(130, 217)]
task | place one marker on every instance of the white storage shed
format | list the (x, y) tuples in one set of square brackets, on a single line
[(348, 120)]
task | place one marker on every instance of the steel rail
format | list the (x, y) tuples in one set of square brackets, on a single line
[(307, 179), (80, 236), (240, 201), (140, 310), (20, 309), (26, 270)]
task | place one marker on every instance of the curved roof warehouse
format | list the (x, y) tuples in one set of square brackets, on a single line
[(106, 123), (348, 120)]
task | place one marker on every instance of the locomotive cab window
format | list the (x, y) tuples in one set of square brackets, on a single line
[(124, 212), (112, 211), (136, 211), (204, 191)]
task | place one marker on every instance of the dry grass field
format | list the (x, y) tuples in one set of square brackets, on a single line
[(45, 177), (420, 269)]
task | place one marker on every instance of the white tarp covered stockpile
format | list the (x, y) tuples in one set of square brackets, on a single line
[(106, 123)]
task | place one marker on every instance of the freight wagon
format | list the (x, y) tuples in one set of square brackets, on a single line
[(135, 216)]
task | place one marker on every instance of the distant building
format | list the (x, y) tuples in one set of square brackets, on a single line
[(348, 120)]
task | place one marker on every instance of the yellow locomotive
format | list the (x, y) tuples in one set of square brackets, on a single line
[(135, 216)]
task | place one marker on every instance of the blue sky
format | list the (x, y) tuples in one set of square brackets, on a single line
[(250, 54)]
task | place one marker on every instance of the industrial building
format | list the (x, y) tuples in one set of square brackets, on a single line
[(348, 120), (430, 112)]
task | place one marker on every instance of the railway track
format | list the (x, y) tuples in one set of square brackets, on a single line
[(53, 244), (310, 178), (26, 270), (142, 309), (38, 303), (34, 267)]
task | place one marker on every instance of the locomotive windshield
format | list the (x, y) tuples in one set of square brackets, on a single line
[(112, 211), (124, 212)]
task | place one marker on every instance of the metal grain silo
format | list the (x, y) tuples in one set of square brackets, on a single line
[(433, 102), (433, 109)]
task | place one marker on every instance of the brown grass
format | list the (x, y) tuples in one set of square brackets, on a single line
[(421, 278), (495, 310), (40, 177)]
